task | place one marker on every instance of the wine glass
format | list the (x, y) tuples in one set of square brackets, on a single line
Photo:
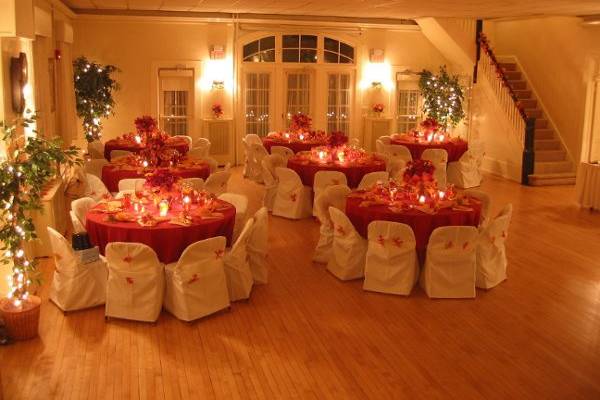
[(139, 189)]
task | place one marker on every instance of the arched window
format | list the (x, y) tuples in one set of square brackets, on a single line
[(337, 52), (262, 50), (299, 48)]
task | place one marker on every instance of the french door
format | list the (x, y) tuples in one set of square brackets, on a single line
[(258, 87)]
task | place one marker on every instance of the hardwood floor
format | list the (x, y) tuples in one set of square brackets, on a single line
[(307, 335)]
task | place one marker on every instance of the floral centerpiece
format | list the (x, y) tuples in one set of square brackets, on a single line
[(301, 122), (337, 154), (161, 179), (378, 108), (429, 131), (418, 171), (217, 110), (145, 124)]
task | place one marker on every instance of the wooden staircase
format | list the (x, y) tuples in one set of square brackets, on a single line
[(552, 164)]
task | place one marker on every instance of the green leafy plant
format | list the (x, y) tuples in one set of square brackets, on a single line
[(443, 97), (30, 163), (94, 89)]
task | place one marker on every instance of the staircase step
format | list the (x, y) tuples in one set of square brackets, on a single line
[(550, 155), (547, 144), (553, 167), (552, 179), (541, 134), (528, 103), (523, 94), (518, 85), (513, 75), (508, 66), (533, 112), (541, 123)]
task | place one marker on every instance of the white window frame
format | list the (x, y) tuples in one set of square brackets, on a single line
[(407, 84), (348, 119)]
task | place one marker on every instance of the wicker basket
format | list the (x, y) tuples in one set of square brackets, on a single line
[(21, 324)]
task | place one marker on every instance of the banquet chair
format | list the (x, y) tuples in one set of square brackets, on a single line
[(95, 166), (94, 187), (130, 183), (258, 246), (449, 270), (96, 150), (217, 182), (196, 183), (136, 282), (370, 179), (491, 251), (324, 179), (392, 265), (252, 138), (347, 260), (465, 173), (269, 164), (283, 151), (396, 167), (119, 153), (198, 153), (196, 284), (75, 285), (249, 168), (398, 151), (240, 202), (439, 158), (237, 267), (380, 146), (187, 138), (485, 200), (203, 145), (292, 199), (78, 227), (386, 140), (213, 165), (258, 152), (79, 208), (122, 193), (332, 196), (227, 167), (354, 142)]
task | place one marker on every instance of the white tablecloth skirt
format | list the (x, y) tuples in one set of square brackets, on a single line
[(588, 186)]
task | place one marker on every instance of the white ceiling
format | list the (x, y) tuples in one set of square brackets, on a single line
[(357, 8)]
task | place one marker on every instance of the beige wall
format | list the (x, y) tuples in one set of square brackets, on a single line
[(554, 53)]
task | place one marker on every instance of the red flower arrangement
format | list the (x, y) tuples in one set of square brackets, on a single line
[(145, 124), (378, 108), (161, 178), (217, 110), (301, 122), (429, 125), (418, 171), (336, 139), (156, 153)]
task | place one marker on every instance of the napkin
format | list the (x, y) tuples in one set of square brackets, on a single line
[(425, 209)]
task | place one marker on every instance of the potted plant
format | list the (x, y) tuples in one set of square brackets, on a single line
[(30, 163), (217, 110), (378, 109)]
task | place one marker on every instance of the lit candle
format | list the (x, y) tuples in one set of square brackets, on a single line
[(186, 203), (163, 208), (301, 137), (136, 207), (441, 138), (442, 194), (341, 156), (422, 199), (430, 137), (322, 155), (145, 164), (138, 139), (286, 135)]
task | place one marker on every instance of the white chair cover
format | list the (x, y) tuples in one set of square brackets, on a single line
[(392, 265), (449, 270), (258, 152), (465, 172), (202, 147), (96, 150), (349, 248), (77, 225), (237, 267), (250, 169), (292, 200), (258, 246), (187, 138), (354, 142), (396, 167), (485, 200), (252, 138), (95, 166), (370, 179), (324, 179), (439, 158), (196, 284), (240, 202), (114, 154), (122, 193), (398, 151), (387, 140), (491, 251), (268, 165), (197, 153), (217, 182), (94, 187), (75, 286), (130, 183), (213, 164), (332, 196), (380, 147), (136, 282), (283, 151), (196, 183), (81, 206)]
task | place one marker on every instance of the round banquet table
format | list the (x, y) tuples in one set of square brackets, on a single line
[(114, 172), (455, 148), (167, 240), (179, 144), (295, 145), (421, 223), (354, 171)]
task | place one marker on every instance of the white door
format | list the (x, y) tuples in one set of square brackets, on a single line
[(298, 94), (258, 89), (339, 101)]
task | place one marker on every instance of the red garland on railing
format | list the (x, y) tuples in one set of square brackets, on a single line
[(484, 44)]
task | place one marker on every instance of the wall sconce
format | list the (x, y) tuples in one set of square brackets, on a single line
[(18, 80), (217, 53)]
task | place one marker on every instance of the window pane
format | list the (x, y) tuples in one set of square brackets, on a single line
[(291, 41), (291, 55), (338, 103), (267, 43), (268, 56), (308, 56), (257, 103), (347, 50), (250, 49), (309, 42), (345, 60), (331, 57), (331, 45)]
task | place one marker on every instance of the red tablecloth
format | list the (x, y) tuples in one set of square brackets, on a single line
[(113, 173), (455, 149), (179, 144), (421, 223), (167, 240), (295, 146), (354, 172)]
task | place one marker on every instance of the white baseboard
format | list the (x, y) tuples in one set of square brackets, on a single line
[(502, 168)]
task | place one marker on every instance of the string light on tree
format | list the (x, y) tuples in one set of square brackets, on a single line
[(443, 97)]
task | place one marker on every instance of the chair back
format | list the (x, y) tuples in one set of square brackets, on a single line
[(506, 210), (269, 164), (485, 201), (95, 188), (131, 257), (217, 182), (187, 138), (288, 178), (130, 183), (258, 152), (95, 166), (324, 179), (114, 154), (452, 245), (258, 246), (398, 151), (96, 150), (370, 179), (354, 142), (391, 239), (80, 207), (386, 140), (342, 226), (436, 156), (77, 225), (198, 259), (396, 167), (202, 143), (332, 196), (64, 258), (196, 183), (198, 152), (252, 138), (283, 151)]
